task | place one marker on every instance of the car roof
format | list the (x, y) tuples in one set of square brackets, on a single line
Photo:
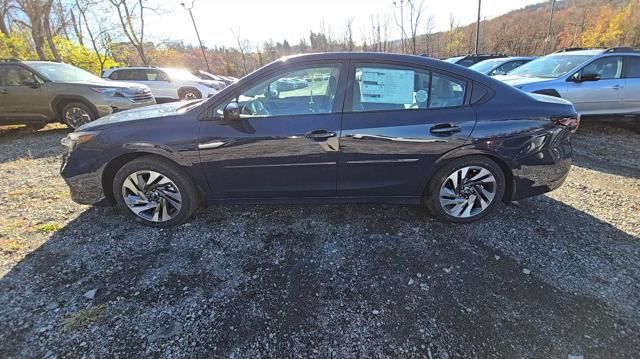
[(592, 52)]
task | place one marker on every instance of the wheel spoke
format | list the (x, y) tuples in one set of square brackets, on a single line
[(146, 207), (472, 203)]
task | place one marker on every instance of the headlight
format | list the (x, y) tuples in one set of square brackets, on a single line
[(74, 139), (108, 91)]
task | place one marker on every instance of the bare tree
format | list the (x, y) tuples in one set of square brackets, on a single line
[(39, 14), (101, 41), (416, 11), (5, 22), (243, 46), (348, 42), (131, 14)]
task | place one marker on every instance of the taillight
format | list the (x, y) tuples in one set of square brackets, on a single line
[(569, 121)]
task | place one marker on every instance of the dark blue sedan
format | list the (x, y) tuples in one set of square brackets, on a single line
[(370, 127)]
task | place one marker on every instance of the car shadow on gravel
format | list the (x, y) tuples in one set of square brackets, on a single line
[(608, 145), (39, 144), (328, 281)]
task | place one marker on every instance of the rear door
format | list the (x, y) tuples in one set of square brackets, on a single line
[(285, 144), (603, 96), (631, 91), (398, 120), (23, 95)]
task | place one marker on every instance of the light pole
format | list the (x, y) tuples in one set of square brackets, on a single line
[(204, 53), (478, 27), (401, 6), (548, 39)]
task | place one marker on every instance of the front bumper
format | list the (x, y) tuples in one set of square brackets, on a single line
[(85, 187)]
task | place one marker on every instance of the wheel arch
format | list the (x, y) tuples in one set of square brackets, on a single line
[(59, 102), (467, 152), (114, 165)]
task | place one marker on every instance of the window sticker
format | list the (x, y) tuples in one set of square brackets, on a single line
[(386, 86)]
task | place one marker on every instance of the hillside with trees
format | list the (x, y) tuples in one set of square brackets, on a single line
[(95, 34)]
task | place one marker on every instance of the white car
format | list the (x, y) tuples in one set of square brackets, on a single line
[(166, 84)]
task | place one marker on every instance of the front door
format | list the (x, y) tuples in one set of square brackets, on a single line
[(603, 96), (285, 143), (398, 121), (23, 96)]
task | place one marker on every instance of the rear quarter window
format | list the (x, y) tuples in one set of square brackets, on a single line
[(633, 66)]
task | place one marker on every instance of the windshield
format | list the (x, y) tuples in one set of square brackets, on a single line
[(551, 66), (63, 72), (181, 74), (485, 66)]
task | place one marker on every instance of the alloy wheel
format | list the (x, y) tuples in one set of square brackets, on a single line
[(468, 191), (189, 95), (76, 117), (151, 196)]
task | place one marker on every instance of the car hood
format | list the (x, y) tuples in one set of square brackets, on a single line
[(517, 80), (119, 84), (141, 113)]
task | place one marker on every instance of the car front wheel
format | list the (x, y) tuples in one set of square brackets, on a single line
[(155, 192), (77, 114), (466, 189)]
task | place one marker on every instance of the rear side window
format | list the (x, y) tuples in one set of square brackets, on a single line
[(633, 66), (382, 88)]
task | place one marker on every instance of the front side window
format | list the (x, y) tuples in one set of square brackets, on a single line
[(606, 67), (380, 88), (11, 75), (309, 90)]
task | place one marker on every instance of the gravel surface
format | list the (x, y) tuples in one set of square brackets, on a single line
[(557, 276)]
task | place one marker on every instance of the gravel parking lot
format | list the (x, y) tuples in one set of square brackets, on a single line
[(550, 277)]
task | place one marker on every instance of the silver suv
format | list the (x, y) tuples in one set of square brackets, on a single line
[(38, 92), (597, 82), (166, 84)]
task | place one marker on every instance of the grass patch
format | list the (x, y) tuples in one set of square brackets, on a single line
[(85, 317), (48, 227)]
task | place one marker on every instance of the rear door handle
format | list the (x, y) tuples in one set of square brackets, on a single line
[(319, 135), (444, 128)]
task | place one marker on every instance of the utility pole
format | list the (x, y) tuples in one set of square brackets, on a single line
[(401, 6), (204, 53), (478, 27), (548, 39)]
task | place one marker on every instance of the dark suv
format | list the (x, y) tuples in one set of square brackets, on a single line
[(38, 92), (469, 60)]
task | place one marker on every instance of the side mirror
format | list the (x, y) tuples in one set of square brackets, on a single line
[(231, 112), (31, 83), (588, 76)]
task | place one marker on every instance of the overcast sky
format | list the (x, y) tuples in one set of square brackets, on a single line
[(260, 20)]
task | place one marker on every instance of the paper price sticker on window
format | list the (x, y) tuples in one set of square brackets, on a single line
[(386, 86)]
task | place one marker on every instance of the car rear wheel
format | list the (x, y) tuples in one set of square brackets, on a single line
[(155, 192), (76, 114), (466, 189)]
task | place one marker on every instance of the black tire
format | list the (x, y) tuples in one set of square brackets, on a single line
[(190, 198), (189, 93), (432, 195), (76, 114)]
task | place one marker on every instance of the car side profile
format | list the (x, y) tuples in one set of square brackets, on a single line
[(500, 66), (39, 92), (166, 84), (597, 81), (369, 127)]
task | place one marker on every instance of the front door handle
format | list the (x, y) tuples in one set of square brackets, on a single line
[(616, 87), (444, 129), (319, 135)]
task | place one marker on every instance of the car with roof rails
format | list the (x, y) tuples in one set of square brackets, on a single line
[(501, 65), (599, 82), (39, 92), (468, 60), (370, 127), (166, 84)]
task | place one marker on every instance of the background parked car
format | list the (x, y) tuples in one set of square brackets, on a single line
[(597, 82), (216, 80), (38, 92), (500, 66), (167, 84), (469, 60)]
